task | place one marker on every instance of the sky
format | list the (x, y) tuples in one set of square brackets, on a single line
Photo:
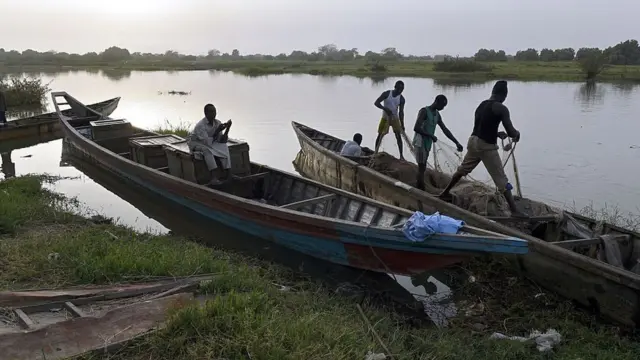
[(419, 27)]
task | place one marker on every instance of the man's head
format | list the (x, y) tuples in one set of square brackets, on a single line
[(210, 112), (500, 91), (399, 87), (440, 102), (357, 137)]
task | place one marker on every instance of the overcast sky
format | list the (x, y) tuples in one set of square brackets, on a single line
[(273, 26)]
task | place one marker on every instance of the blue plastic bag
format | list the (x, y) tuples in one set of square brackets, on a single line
[(420, 226)]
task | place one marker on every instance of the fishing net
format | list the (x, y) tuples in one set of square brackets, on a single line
[(478, 196)]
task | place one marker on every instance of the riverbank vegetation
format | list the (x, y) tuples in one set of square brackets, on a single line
[(21, 92), (258, 310), (620, 62)]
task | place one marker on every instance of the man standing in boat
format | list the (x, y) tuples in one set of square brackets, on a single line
[(425, 129), (209, 137), (391, 102), (3, 109), (483, 144)]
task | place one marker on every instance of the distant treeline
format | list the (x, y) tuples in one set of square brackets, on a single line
[(624, 53)]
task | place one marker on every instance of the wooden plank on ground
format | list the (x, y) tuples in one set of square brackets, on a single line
[(80, 335)]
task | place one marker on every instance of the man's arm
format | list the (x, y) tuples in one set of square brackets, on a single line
[(500, 109), (446, 131), (401, 111), (380, 99), (422, 114)]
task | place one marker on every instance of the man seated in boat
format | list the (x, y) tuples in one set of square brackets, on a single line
[(483, 145), (352, 147), (425, 129), (209, 137), (391, 102)]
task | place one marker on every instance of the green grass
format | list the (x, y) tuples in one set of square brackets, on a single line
[(514, 70), (20, 92), (248, 316), (181, 129)]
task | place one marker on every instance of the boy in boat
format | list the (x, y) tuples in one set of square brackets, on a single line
[(391, 102), (209, 137), (483, 144), (352, 147), (425, 129), (3, 109)]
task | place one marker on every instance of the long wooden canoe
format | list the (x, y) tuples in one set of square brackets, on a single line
[(556, 262), (297, 213), (47, 124)]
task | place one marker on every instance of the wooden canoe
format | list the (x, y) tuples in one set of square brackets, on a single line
[(47, 124), (294, 212), (556, 265)]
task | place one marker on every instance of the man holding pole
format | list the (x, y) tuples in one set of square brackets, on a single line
[(483, 144)]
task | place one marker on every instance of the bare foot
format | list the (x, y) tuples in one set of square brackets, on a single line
[(214, 182)]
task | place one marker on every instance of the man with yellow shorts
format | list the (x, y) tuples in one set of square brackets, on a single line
[(391, 102)]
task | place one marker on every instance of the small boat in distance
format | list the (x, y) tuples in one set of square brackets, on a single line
[(589, 261), (294, 212), (48, 123)]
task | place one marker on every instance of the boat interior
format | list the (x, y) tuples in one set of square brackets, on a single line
[(170, 154), (593, 238)]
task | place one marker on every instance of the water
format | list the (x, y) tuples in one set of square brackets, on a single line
[(577, 141), (578, 147)]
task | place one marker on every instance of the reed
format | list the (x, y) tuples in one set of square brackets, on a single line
[(180, 129), (24, 91)]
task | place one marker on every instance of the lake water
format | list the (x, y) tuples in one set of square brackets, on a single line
[(579, 144)]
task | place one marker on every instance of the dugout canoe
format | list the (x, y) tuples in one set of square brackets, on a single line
[(558, 259), (297, 213), (47, 125)]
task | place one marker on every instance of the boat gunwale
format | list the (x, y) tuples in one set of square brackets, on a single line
[(585, 263), (328, 224)]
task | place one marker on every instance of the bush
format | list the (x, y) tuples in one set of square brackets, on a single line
[(24, 91), (460, 65)]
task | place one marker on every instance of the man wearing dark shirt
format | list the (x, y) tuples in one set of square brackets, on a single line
[(483, 144)]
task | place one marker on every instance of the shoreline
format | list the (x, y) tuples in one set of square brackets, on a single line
[(247, 313), (510, 70)]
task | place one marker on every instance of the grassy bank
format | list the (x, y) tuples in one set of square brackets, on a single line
[(249, 317), (20, 92), (514, 70)]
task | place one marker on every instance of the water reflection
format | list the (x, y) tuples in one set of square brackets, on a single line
[(590, 93), (25, 111), (116, 74), (8, 166), (456, 85)]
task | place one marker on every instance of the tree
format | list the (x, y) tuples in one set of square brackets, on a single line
[(624, 53), (115, 53), (547, 55), (593, 64), (490, 55), (327, 50), (527, 55), (213, 53), (566, 54), (391, 53), (235, 53), (584, 53)]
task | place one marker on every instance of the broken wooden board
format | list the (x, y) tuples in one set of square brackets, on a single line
[(80, 335), (34, 297)]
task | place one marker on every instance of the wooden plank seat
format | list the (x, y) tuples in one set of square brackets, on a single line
[(298, 204), (571, 244)]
